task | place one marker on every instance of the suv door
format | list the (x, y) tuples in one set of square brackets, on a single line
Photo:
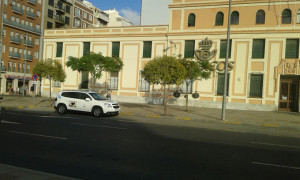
[(73, 101), (83, 104)]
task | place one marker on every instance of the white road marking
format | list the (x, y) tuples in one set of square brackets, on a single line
[(279, 145), (9, 122), (99, 126), (40, 135), (275, 165), (42, 116)]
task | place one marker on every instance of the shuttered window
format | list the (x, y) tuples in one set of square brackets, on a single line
[(189, 49), (256, 85), (115, 49), (219, 19), (258, 49), (59, 49), (292, 48), (223, 45), (147, 49), (220, 85), (86, 48), (191, 20)]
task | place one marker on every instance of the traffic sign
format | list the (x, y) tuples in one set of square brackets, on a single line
[(34, 82), (35, 77)]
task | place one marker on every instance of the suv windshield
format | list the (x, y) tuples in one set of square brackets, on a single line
[(97, 96)]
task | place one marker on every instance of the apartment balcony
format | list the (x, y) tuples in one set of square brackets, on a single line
[(28, 43), (103, 16), (27, 57), (21, 26), (3, 68), (15, 55), (30, 14), (17, 10), (32, 1), (68, 1), (59, 19), (15, 40), (78, 16), (60, 7)]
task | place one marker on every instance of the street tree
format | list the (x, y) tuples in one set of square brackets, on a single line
[(194, 70), (50, 69), (95, 64), (165, 70)]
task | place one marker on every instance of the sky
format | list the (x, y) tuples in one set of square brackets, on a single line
[(129, 9)]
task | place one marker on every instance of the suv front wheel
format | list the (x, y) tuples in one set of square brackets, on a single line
[(97, 111), (61, 109)]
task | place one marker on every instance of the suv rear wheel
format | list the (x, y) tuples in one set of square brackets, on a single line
[(61, 109), (97, 111)]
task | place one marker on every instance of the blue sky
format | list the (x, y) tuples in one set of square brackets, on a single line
[(130, 9)]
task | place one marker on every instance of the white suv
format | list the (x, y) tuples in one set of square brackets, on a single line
[(85, 101)]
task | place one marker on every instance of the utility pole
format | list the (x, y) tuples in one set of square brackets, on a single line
[(1, 44), (226, 63), (25, 59)]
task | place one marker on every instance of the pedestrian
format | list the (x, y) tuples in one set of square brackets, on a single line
[(31, 91), (17, 90)]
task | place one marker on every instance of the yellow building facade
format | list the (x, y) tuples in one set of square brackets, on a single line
[(264, 50)]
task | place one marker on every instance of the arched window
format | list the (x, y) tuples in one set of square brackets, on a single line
[(219, 19), (260, 17), (191, 20), (235, 18), (298, 16), (286, 16)]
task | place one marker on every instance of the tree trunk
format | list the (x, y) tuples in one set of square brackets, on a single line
[(187, 96), (165, 101), (50, 87)]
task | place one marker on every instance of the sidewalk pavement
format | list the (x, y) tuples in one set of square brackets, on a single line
[(257, 118), (8, 172)]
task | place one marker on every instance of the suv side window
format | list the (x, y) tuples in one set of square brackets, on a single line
[(82, 96), (74, 95), (65, 94)]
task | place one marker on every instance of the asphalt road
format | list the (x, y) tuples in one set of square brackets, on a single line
[(81, 146)]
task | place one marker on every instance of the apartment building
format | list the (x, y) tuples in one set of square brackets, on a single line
[(58, 14), (83, 15), (21, 42)]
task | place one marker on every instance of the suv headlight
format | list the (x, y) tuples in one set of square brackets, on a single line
[(107, 105)]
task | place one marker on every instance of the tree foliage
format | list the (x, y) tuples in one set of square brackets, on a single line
[(95, 64), (50, 69), (194, 70), (165, 70)]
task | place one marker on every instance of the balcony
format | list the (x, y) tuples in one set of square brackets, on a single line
[(59, 19), (30, 14), (77, 16), (60, 7), (17, 10), (103, 16), (27, 57), (21, 26), (28, 43), (68, 1), (15, 55), (32, 1), (3, 68), (15, 40)]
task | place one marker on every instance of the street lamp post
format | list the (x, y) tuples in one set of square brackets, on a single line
[(25, 59), (226, 63)]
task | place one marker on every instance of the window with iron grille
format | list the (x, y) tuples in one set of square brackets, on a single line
[(260, 17), (113, 80), (220, 85), (256, 85), (190, 86), (286, 16), (144, 86)]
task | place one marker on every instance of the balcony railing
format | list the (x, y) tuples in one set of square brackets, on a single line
[(31, 1), (15, 55), (21, 26), (3, 68), (16, 40), (60, 7), (28, 43), (30, 14), (18, 10), (68, 1), (59, 19), (27, 57)]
